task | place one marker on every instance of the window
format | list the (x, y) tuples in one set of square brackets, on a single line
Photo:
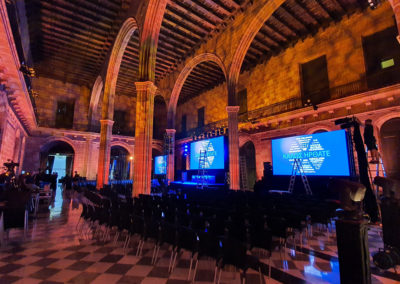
[(120, 125), (242, 98), (315, 82), (200, 117), (183, 123), (381, 56), (65, 115)]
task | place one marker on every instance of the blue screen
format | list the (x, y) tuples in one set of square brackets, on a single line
[(160, 165), (322, 154), (214, 148)]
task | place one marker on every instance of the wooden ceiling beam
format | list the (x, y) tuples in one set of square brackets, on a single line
[(195, 18), (183, 29), (186, 21), (283, 37), (76, 29), (326, 10), (233, 4), (66, 43), (292, 28), (298, 19), (177, 33), (213, 8), (173, 43), (307, 12), (218, 6), (266, 35), (68, 34), (261, 45), (341, 6), (62, 20), (74, 15), (204, 12), (76, 56)]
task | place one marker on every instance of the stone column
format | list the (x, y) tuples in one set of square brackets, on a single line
[(103, 168), (145, 92), (171, 155), (233, 129), (87, 158)]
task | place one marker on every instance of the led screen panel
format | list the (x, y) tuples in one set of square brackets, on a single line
[(215, 153), (160, 165), (321, 154)]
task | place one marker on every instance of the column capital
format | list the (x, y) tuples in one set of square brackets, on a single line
[(170, 131), (146, 85), (232, 109), (106, 121)]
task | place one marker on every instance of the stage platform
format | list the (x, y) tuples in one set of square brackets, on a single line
[(193, 185)]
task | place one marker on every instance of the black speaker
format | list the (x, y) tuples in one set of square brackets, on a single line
[(352, 243)]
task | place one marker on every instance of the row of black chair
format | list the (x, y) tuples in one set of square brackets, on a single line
[(217, 224)]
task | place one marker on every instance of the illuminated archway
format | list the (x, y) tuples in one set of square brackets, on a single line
[(258, 21), (182, 78)]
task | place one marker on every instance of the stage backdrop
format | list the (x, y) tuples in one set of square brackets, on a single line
[(322, 154), (214, 148)]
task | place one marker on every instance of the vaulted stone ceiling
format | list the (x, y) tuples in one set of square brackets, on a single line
[(71, 38)]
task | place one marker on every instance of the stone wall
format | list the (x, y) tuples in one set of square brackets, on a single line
[(12, 135), (52, 91), (278, 79)]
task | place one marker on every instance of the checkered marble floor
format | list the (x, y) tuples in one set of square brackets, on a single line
[(54, 252)]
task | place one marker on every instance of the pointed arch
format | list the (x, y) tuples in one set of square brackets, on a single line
[(258, 21), (149, 39), (182, 78), (114, 64), (94, 99)]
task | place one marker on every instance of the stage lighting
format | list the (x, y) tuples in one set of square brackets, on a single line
[(391, 187), (350, 194)]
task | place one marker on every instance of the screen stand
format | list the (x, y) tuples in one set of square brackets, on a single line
[(353, 252)]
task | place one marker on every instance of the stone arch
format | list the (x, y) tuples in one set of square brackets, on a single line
[(94, 99), (258, 20), (124, 145), (389, 133), (52, 140), (182, 78), (384, 118), (314, 129), (114, 63), (396, 10), (244, 138), (55, 141), (149, 39)]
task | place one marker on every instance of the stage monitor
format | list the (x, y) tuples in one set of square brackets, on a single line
[(160, 165), (321, 154), (215, 153)]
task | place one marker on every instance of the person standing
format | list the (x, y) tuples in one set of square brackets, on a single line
[(370, 141)]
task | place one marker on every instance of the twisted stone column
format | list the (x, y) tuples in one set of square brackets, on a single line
[(171, 155), (143, 137), (104, 152), (233, 129)]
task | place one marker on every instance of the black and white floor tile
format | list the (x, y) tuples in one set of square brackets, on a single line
[(54, 252)]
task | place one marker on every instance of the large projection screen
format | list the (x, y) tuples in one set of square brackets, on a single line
[(215, 159), (322, 154), (160, 163)]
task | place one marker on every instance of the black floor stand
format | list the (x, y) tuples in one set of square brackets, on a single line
[(352, 243)]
